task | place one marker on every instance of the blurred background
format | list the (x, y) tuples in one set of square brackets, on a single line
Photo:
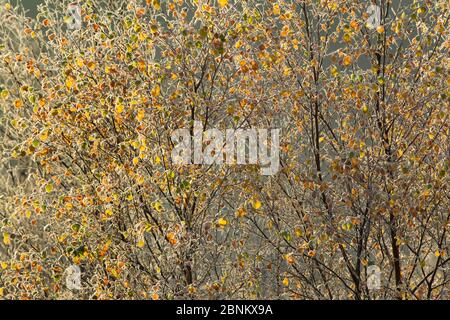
[(30, 5)]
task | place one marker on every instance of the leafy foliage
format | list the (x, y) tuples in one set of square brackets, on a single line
[(86, 118)]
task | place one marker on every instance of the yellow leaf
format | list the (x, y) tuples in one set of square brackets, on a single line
[(276, 9), (134, 144), (119, 108), (6, 238), (70, 82), (43, 136), (142, 36), (171, 174), (5, 94), (141, 242), (222, 222), (285, 282), (285, 31), (347, 61), (334, 71), (158, 206), (223, 3), (135, 160), (79, 62), (257, 204), (141, 114), (347, 37), (157, 4), (154, 28), (4, 265), (49, 187), (192, 289), (140, 179), (91, 65), (156, 91)]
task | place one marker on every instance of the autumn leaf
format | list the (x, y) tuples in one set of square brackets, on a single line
[(4, 94), (49, 187), (256, 204), (222, 222), (79, 61), (141, 242), (223, 3), (276, 9), (18, 103), (105, 248), (140, 115), (289, 258), (156, 91), (43, 136), (157, 160), (334, 71), (70, 82), (171, 238), (241, 212), (87, 122), (347, 61), (156, 4), (119, 108), (285, 31), (6, 238), (311, 253)]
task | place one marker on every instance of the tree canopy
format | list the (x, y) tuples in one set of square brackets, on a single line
[(87, 114)]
